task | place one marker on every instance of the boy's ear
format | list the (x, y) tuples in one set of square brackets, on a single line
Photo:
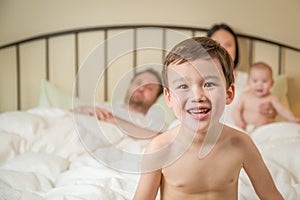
[(230, 94), (168, 97)]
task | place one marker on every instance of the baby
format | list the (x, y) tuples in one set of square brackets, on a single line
[(246, 113)]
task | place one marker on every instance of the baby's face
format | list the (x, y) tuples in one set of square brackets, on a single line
[(260, 82), (197, 93)]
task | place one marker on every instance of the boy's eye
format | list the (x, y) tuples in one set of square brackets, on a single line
[(209, 84), (183, 86)]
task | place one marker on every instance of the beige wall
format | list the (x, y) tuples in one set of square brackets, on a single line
[(273, 19)]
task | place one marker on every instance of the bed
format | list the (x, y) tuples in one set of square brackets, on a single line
[(47, 153)]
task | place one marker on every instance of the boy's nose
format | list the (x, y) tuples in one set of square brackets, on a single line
[(198, 94)]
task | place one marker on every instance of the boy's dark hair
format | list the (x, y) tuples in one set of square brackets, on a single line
[(225, 27), (197, 48), (153, 72)]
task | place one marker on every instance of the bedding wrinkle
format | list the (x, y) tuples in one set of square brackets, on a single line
[(50, 162)]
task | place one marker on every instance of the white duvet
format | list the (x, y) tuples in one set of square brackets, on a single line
[(43, 157)]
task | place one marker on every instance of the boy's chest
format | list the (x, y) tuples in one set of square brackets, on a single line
[(214, 172)]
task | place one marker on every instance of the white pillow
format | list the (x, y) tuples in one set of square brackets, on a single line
[(52, 96), (280, 87)]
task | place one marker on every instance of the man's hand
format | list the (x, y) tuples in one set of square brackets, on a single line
[(101, 113), (268, 110)]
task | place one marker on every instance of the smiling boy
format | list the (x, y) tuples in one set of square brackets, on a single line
[(201, 158)]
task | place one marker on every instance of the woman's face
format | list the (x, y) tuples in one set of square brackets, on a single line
[(226, 40)]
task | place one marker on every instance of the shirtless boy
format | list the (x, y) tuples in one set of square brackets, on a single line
[(198, 82), (246, 113)]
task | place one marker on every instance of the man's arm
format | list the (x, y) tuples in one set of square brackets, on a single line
[(127, 127), (131, 129), (99, 112), (258, 172)]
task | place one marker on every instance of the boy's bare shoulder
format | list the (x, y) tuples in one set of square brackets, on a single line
[(162, 140), (236, 137)]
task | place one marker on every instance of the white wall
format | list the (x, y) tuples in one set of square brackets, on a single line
[(274, 19)]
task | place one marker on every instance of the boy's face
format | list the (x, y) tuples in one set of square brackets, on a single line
[(260, 81), (197, 93)]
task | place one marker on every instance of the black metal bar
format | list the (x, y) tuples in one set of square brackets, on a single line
[(47, 59), (18, 77), (164, 44), (142, 26), (76, 64), (250, 52), (267, 41), (105, 66), (134, 50), (280, 60), (193, 33), (105, 29)]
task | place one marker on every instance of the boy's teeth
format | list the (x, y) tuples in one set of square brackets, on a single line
[(198, 111)]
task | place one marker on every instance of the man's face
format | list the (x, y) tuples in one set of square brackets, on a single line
[(143, 90)]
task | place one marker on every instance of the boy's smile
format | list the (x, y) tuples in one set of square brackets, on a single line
[(199, 113)]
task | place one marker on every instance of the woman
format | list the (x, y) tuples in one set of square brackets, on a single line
[(223, 34), (227, 38)]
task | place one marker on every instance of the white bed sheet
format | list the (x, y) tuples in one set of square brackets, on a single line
[(42, 157)]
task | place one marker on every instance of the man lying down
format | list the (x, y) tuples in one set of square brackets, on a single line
[(136, 116)]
